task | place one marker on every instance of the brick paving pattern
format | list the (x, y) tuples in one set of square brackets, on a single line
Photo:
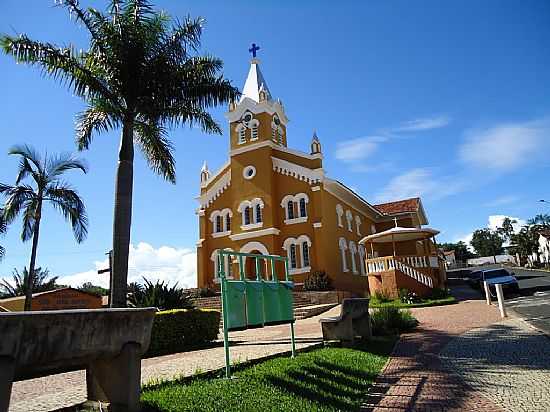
[(66, 389), (509, 362), (415, 379)]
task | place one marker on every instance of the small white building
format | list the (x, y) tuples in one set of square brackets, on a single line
[(544, 246)]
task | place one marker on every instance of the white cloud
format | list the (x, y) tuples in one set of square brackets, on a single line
[(427, 123), (165, 263), (495, 221), (358, 149), (418, 182), (505, 147)]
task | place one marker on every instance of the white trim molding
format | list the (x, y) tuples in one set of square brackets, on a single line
[(299, 271), (221, 234), (252, 226), (317, 225), (256, 233), (251, 246), (315, 188), (284, 167), (207, 198), (302, 219)]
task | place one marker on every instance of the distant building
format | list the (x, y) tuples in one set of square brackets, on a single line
[(64, 298), (544, 246), (450, 258)]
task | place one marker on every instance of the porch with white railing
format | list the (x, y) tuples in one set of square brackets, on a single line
[(420, 267)]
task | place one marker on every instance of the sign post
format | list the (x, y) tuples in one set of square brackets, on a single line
[(254, 303)]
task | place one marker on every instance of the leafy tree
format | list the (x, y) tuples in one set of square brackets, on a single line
[(487, 243), (159, 295), (540, 219), (91, 288), (45, 186), (462, 253), (525, 242), (20, 281), (143, 73), (3, 229), (506, 230)]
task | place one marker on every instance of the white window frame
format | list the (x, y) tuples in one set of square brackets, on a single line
[(339, 214), (349, 219), (297, 243), (353, 252), (295, 199), (362, 257), (358, 224), (241, 133), (254, 126), (223, 215), (343, 246), (227, 263), (254, 224)]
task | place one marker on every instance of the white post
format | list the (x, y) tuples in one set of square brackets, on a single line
[(500, 297), (487, 292)]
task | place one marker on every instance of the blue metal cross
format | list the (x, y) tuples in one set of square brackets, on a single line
[(254, 49)]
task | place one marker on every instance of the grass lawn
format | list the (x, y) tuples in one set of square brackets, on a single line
[(327, 379), (422, 304)]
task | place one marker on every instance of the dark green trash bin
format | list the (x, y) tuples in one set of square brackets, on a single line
[(254, 303), (286, 300), (272, 305), (236, 304)]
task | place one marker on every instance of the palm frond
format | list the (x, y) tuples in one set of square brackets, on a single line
[(18, 198), (99, 117), (63, 64), (65, 199), (29, 220), (156, 148), (28, 153), (57, 165)]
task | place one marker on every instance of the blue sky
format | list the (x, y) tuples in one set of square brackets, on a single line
[(446, 100)]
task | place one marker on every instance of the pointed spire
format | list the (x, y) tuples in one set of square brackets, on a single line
[(255, 83), (315, 144), (205, 173)]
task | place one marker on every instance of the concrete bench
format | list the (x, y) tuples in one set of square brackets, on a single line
[(108, 343), (354, 321)]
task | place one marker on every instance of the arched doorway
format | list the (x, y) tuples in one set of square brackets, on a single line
[(256, 248)]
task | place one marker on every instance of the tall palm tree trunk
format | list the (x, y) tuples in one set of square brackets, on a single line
[(122, 216), (30, 277)]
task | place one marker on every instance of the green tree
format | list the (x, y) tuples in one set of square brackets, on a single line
[(142, 72), (506, 230), (541, 220), (487, 243), (20, 281), (159, 295), (525, 242), (462, 253), (46, 186), (95, 289), (3, 229)]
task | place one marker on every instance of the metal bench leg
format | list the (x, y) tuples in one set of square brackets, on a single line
[(117, 380), (7, 371)]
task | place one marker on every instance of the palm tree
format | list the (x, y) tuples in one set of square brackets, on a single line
[(143, 73), (3, 229), (48, 187), (20, 280)]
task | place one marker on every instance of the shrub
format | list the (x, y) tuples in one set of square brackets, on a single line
[(381, 296), (439, 293), (391, 320), (409, 297), (317, 281), (159, 295), (182, 329)]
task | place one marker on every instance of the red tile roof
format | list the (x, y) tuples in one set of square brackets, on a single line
[(400, 206)]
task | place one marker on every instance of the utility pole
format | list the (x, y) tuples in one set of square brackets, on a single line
[(110, 271)]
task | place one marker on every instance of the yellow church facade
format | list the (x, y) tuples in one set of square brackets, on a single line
[(271, 199)]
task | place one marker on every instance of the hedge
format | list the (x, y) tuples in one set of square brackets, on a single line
[(179, 330)]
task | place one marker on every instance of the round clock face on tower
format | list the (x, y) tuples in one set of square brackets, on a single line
[(276, 121), (249, 172), (247, 117)]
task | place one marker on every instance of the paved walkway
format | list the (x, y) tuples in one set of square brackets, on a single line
[(66, 389), (509, 362), (464, 357), (415, 379)]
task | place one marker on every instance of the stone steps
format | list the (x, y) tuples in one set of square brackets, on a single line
[(313, 310)]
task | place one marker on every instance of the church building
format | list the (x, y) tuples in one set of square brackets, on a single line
[(272, 199)]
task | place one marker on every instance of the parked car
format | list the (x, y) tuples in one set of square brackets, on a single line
[(493, 276)]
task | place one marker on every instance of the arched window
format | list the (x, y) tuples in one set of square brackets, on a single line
[(349, 219), (280, 135), (292, 257), (241, 132), (305, 254), (254, 124), (362, 253), (228, 223), (358, 225), (290, 209), (353, 252), (258, 213), (303, 210), (218, 224), (343, 246), (339, 214), (246, 215), (226, 265), (274, 133)]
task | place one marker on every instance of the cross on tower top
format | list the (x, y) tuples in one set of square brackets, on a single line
[(254, 49)]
